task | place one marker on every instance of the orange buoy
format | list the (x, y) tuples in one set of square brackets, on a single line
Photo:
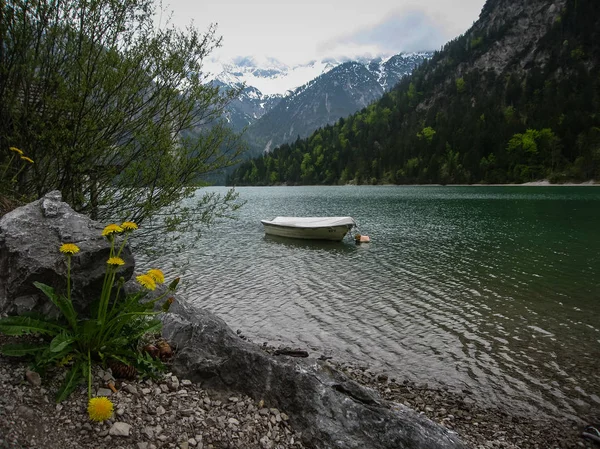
[(361, 238)]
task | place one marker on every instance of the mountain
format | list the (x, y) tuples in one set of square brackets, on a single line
[(514, 99), (268, 75), (250, 105), (341, 91), (263, 82)]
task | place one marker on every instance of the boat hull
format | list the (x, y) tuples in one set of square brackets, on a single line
[(332, 233)]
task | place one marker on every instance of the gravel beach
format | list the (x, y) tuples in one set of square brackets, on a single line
[(175, 413)]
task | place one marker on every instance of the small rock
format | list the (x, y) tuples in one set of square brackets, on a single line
[(160, 410), (33, 378), (131, 389), (173, 384), (382, 378), (25, 412), (149, 432), (107, 392), (120, 429), (266, 443)]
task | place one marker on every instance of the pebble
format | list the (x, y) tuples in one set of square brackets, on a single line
[(33, 378), (131, 389), (106, 392), (120, 429), (148, 417)]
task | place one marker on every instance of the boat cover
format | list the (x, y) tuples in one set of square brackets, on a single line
[(311, 222)]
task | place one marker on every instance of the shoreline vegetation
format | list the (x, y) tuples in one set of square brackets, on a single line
[(176, 413), (539, 183)]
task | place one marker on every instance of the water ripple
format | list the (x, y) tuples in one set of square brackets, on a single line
[(490, 289)]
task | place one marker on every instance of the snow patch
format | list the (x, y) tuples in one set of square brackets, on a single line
[(269, 76)]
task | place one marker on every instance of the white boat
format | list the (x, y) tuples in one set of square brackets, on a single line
[(310, 228)]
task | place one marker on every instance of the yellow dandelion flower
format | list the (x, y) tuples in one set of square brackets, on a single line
[(69, 249), (16, 150), (157, 275), (112, 229), (25, 158), (100, 409), (146, 281), (116, 261), (129, 226)]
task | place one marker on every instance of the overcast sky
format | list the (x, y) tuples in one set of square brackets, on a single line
[(299, 31)]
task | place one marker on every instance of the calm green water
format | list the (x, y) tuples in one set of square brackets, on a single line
[(493, 289)]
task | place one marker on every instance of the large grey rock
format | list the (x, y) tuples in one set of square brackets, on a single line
[(30, 238), (330, 410)]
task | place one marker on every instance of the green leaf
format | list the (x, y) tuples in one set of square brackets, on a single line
[(60, 342), (21, 349), (47, 290), (64, 305), (130, 304), (151, 327), (46, 357), (22, 325), (126, 360), (74, 377), (89, 331)]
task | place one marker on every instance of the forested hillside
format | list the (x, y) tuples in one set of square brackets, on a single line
[(514, 99), (342, 91)]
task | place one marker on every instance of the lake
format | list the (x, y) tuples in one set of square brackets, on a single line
[(491, 289)]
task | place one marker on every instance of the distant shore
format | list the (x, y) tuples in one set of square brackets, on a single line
[(540, 183), (543, 183)]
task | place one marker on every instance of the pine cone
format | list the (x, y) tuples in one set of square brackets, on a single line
[(152, 350), (164, 350), (121, 370)]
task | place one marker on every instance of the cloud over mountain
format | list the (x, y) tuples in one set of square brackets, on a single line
[(406, 31)]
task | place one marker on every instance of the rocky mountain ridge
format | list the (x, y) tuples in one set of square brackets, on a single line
[(341, 91), (263, 88), (512, 100)]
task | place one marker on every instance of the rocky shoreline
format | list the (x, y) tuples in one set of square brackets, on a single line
[(164, 413), (176, 413), (478, 426)]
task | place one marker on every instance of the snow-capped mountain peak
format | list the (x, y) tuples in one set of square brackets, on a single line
[(315, 93), (271, 77)]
